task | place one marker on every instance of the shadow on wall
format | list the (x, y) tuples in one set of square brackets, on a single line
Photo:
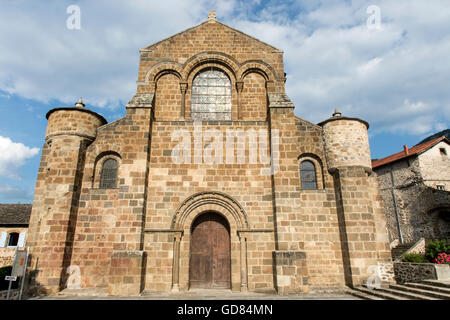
[(31, 287)]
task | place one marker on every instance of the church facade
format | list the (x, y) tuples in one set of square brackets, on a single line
[(209, 181)]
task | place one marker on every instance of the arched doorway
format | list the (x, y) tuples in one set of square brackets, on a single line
[(440, 218), (210, 254)]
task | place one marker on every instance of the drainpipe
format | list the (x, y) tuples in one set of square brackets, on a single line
[(395, 207)]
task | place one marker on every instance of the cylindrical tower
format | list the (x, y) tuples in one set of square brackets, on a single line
[(52, 224), (346, 142), (348, 160)]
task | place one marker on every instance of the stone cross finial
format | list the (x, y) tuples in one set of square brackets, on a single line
[(80, 104), (336, 113), (212, 15)]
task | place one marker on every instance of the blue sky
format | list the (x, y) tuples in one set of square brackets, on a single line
[(396, 76)]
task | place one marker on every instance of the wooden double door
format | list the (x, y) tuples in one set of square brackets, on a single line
[(210, 260)]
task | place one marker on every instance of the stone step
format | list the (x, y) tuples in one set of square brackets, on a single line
[(363, 295), (400, 249), (437, 283), (407, 295), (420, 291), (379, 293), (429, 287), (84, 292)]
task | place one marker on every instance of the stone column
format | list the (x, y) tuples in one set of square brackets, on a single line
[(176, 262), (183, 88), (239, 88), (244, 272)]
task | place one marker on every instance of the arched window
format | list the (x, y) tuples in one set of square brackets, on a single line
[(211, 96), (13, 239), (108, 178), (308, 175)]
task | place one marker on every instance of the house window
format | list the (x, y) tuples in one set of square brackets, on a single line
[(308, 175), (443, 151), (13, 239), (211, 96), (108, 179)]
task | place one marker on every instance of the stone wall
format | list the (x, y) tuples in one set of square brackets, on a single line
[(346, 142), (253, 98), (292, 276), (168, 98), (434, 166), (13, 294), (413, 272), (111, 220), (7, 254), (126, 273), (418, 205)]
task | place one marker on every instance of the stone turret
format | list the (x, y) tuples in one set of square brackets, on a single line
[(69, 131), (357, 202), (73, 121), (346, 142)]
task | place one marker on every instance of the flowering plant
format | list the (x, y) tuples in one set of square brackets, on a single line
[(442, 258)]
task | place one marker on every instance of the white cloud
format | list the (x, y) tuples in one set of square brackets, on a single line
[(10, 193), (332, 59), (12, 156)]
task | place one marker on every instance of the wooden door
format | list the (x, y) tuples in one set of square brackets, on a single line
[(210, 262)]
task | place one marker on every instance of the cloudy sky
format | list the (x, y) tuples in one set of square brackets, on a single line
[(391, 69)]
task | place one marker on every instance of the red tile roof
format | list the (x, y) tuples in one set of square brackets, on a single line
[(408, 152)]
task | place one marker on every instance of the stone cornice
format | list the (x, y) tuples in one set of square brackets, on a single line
[(343, 118), (77, 109), (280, 100)]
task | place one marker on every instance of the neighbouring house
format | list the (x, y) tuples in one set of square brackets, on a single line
[(415, 185), (14, 220)]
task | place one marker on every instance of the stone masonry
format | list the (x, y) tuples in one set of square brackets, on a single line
[(137, 236), (414, 206)]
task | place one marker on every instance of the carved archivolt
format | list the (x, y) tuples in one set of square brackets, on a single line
[(201, 202)]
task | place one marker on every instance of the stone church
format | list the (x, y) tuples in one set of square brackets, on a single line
[(209, 181)]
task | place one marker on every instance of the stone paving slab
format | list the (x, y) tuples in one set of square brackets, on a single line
[(199, 295)]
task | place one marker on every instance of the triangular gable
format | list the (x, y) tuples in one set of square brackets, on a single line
[(205, 23)]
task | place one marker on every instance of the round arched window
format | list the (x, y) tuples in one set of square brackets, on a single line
[(308, 175), (211, 96), (108, 178)]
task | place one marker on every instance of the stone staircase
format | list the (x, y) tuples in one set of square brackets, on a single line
[(400, 249), (423, 290)]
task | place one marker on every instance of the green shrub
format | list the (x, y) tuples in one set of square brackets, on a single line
[(434, 248), (414, 257)]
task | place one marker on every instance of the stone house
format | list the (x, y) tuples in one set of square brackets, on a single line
[(415, 185), (153, 202), (14, 220)]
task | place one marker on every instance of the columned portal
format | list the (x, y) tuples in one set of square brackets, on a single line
[(210, 249)]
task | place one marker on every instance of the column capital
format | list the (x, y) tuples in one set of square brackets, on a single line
[(239, 86), (183, 87), (177, 235)]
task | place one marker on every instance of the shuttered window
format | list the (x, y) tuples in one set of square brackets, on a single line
[(3, 237), (108, 179), (13, 239), (21, 242)]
